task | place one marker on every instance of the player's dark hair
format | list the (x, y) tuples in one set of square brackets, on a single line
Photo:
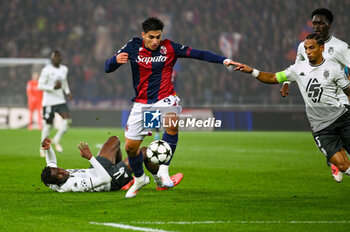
[(152, 24), (317, 37), (323, 11), (55, 51), (47, 178)]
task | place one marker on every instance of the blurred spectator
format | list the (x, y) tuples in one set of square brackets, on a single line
[(264, 34)]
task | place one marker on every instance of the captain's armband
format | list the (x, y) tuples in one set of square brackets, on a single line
[(281, 77)]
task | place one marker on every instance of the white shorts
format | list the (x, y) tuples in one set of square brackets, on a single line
[(134, 127)]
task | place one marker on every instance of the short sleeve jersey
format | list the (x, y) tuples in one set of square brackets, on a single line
[(47, 80), (336, 50), (318, 86)]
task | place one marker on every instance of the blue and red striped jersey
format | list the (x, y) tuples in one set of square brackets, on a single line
[(152, 70)]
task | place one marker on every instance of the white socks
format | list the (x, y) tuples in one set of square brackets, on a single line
[(45, 133), (163, 169), (61, 131), (347, 172)]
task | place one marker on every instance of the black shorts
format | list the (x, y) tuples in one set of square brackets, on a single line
[(49, 111), (119, 172), (334, 137)]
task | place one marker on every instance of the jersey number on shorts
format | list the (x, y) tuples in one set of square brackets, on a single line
[(314, 90)]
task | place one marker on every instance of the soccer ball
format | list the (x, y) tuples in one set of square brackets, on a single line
[(159, 152)]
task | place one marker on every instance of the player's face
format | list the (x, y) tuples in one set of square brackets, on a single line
[(152, 39), (313, 51), (56, 58), (60, 173), (320, 25)]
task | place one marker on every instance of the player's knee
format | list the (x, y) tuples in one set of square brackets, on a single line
[(343, 166), (114, 140), (172, 130), (131, 150)]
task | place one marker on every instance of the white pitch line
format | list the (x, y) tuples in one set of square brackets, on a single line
[(244, 222), (182, 223), (127, 227)]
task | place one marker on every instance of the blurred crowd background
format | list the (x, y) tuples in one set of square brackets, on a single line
[(261, 33)]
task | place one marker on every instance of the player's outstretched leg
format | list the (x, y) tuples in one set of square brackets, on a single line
[(135, 157), (177, 178), (340, 161), (138, 184), (163, 172)]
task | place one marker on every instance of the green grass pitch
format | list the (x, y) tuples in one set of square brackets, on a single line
[(233, 181)]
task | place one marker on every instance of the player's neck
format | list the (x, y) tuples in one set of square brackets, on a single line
[(56, 65), (326, 37), (317, 61)]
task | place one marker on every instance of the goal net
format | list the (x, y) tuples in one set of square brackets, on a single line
[(14, 75)]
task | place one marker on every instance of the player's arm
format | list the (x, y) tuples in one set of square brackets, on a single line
[(120, 58), (102, 175), (29, 93), (51, 160), (266, 77), (116, 61), (187, 52), (342, 80), (286, 85), (65, 87), (211, 57), (43, 82), (343, 55)]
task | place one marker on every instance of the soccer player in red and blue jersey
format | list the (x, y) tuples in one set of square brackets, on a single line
[(152, 60)]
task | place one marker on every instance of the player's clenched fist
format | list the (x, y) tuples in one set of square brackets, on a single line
[(122, 58)]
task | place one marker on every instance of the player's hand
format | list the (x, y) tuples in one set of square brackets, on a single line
[(229, 62), (84, 150), (284, 90), (122, 58), (70, 96), (46, 144), (58, 85), (244, 68)]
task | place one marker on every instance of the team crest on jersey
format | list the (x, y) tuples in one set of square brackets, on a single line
[(330, 50), (326, 74), (163, 50)]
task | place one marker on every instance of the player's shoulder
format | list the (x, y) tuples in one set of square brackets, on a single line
[(301, 45), (333, 65), (136, 41), (47, 67), (63, 67), (337, 42), (166, 41), (299, 63)]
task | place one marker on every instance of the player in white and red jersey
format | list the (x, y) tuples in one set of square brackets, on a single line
[(152, 60)]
